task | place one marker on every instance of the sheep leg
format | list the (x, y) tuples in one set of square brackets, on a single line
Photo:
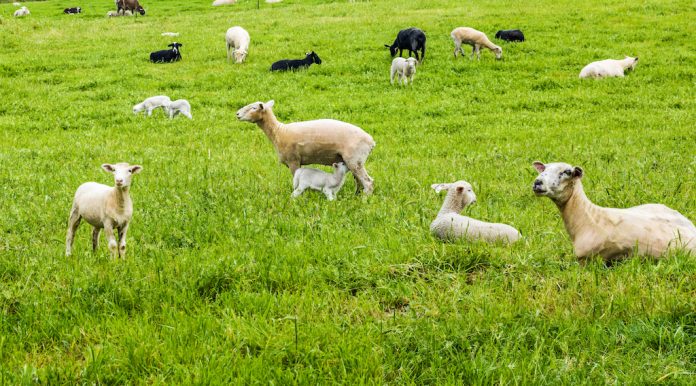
[(149, 111), (95, 238), (122, 240), (478, 52), (228, 52), (329, 195), (113, 245), (391, 76), (73, 223), (473, 52), (457, 48), (362, 179), (422, 54), (299, 190)]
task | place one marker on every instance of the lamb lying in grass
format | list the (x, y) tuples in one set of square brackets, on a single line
[(450, 225), (316, 179), (151, 103), (609, 68)]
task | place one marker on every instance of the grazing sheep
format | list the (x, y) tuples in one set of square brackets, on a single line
[(510, 35), (151, 103), (316, 179), (24, 11), (129, 5), (295, 64), (104, 207), (223, 2), (411, 39), (72, 11), (323, 141), (450, 225), (404, 68), (179, 106), (237, 39), (476, 39), (173, 34), (650, 229), (167, 56), (608, 68)]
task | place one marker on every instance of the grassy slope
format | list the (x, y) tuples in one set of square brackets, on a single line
[(225, 270)]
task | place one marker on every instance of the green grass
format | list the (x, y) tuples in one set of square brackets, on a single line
[(229, 280)]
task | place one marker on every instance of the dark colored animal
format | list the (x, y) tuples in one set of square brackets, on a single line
[(129, 5), (411, 39), (510, 35), (72, 10), (167, 56), (294, 64)]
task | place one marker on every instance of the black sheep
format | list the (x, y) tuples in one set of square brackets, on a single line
[(411, 39), (167, 56), (72, 10), (510, 35), (294, 64)]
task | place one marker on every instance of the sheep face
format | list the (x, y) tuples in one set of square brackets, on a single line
[(340, 166), (632, 66), (460, 192), (555, 180), (123, 172), (254, 112), (498, 51), (239, 56)]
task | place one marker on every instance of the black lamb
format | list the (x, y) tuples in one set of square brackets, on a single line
[(72, 10), (411, 39), (167, 56), (510, 35), (294, 64)]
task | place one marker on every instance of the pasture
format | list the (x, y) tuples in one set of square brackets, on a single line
[(229, 280)]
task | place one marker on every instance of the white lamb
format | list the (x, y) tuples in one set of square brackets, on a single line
[(104, 207), (179, 106), (170, 34), (223, 2), (17, 4), (476, 39), (450, 225), (24, 11), (404, 69), (320, 180), (237, 39), (155, 102), (608, 68), (117, 14)]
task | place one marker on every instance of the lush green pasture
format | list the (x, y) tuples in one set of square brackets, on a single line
[(230, 280)]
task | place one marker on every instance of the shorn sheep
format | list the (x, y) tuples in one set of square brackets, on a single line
[(179, 106), (237, 39), (327, 183), (323, 141), (104, 207), (24, 11), (608, 68), (404, 69), (151, 103), (476, 39), (650, 229), (450, 225), (296, 64), (411, 39)]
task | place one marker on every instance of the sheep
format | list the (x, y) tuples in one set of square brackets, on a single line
[(411, 39), (450, 225), (24, 11), (237, 39), (323, 141), (404, 68), (116, 14), (129, 5), (173, 34), (17, 4), (223, 2), (294, 64), (104, 207), (650, 229), (476, 39), (179, 106), (510, 35), (167, 56), (273, 1), (316, 179), (71, 11), (149, 104), (608, 68)]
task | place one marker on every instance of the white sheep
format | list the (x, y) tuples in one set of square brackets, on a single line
[(237, 39), (17, 4), (450, 225), (316, 179), (608, 68), (104, 207), (117, 14), (170, 34), (650, 229), (476, 39), (24, 11), (179, 106), (404, 69), (223, 2), (149, 104)]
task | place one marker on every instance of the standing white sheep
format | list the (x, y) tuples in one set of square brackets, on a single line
[(104, 207), (237, 39), (608, 68), (476, 39), (316, 179), (151, 103), (404, 69), (179, 106), (24, 11)]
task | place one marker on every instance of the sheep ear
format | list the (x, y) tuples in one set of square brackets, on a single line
[(109, 168), (270, 103), (460, 189), (540, 167), (439, 187), (636, 60), (135, 169), (578, 172), (387, 45), (335, 165)]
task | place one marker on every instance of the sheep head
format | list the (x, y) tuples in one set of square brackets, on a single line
[(498, 51), (123, 172), (255, 112), (556, 180), (459, 194), (239, 56)]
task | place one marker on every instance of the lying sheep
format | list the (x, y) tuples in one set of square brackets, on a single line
[(450, 225), (237, 39), (151, 103), (476, 39), (179, 106), (296, 64), (608, 68), (510, 35), (72, 11), (173, 34), (223, 2), (117, 14), (167, 56), (324, 142), (650, 229), (24, 11), (404, 69), (104, 207), (17, 4), (316, 179)]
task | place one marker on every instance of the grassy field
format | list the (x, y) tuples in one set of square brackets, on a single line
[(230, 280)]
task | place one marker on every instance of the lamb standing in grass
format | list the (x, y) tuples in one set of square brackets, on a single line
[(450, 225), (237, 39), (608, 68), (179, 106), (151, 103), (650, 229), (316, 179), (104, 207), (323, 141), (476, 39), (404, 69)]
